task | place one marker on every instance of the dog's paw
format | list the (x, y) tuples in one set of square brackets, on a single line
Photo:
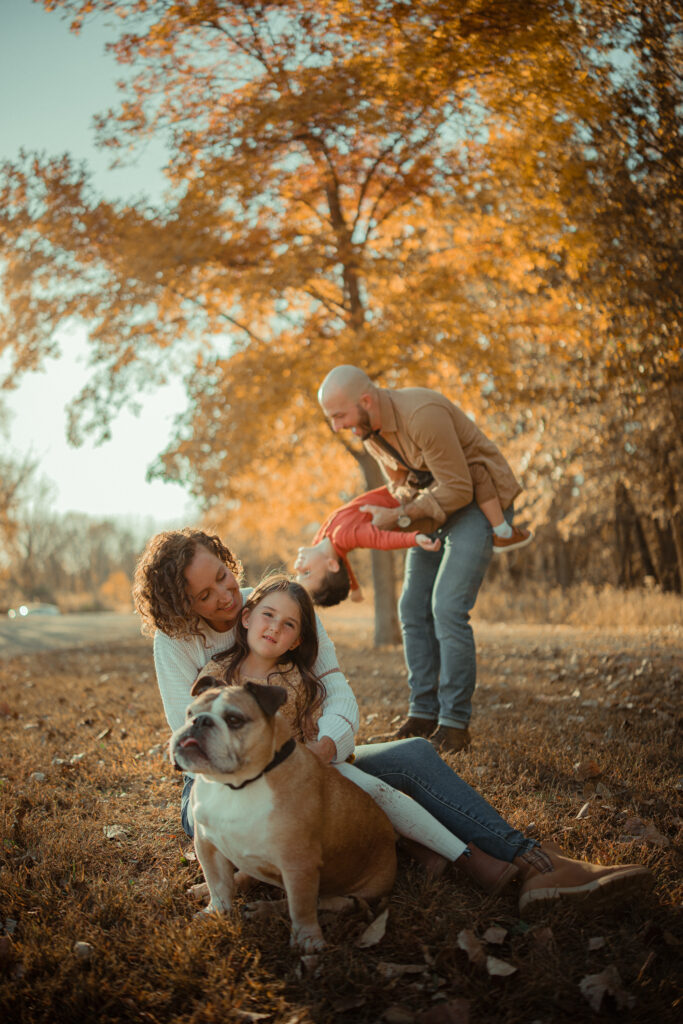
[(337, 904), (308, 939), (265, 910), (212, 910), (198, 892)]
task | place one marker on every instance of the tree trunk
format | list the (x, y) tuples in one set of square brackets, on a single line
[(629, 527), (386, 615), (387, 629), (677, 531), (622, 527), (676, 514), (664, 548), (563, 564)]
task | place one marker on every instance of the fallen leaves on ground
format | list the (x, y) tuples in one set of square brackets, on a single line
[(474, 947), (587, 769), (389, 970), (499, 968), (636, 828), (596, 986), (64, 881), (115, 832), (375, 932)]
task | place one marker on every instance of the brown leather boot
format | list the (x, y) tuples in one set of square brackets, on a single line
[(449, 740), (549, 874), (434, 864), (414, 727), (489, 873)]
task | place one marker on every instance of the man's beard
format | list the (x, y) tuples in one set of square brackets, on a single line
[(363, 424)]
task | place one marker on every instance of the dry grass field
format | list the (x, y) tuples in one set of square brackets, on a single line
[(575, 738)]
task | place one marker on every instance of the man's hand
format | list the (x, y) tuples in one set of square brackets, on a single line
[(324, 749), (382, 518)]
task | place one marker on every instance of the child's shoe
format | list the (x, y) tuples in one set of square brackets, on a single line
[(519, 538)]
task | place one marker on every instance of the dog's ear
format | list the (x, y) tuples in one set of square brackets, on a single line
[(204, 683), (268, 698)]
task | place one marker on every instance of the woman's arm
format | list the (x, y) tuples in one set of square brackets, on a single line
[(339, 720), (176, 664)]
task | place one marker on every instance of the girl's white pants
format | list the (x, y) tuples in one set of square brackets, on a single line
[(405, 814)]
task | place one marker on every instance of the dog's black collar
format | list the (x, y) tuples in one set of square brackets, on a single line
[(280, 755)]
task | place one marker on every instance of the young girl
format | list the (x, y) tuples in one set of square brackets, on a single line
[(276, 642)]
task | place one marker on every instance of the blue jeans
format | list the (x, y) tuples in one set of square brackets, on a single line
[(414, 767), (439, 591)]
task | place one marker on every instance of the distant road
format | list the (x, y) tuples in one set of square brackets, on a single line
[(54, 632), (345, 624)]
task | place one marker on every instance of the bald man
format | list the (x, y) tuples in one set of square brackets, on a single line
[(428, 449)]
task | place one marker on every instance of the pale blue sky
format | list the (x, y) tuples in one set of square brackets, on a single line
[(51, 84)]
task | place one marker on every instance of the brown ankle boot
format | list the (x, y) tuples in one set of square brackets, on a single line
[(414, 727), (547, 874), (489, 873), (434, 864), (449, 740)]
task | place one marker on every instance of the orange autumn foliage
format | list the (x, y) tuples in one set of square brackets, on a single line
[(429, 190)]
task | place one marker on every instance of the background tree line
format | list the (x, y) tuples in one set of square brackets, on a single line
[(69, 559), (483, 197)]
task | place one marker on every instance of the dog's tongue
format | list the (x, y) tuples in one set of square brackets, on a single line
[(189, 741)]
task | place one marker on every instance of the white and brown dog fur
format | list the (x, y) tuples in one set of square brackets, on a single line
[(299, 824)]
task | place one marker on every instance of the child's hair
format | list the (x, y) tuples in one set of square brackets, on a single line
[(159, 585), (333, 588), (303, 656)]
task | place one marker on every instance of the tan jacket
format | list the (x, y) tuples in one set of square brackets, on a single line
[(432, 433)]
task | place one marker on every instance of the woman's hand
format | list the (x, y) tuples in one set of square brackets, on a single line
[(427, 543), (324, 749)]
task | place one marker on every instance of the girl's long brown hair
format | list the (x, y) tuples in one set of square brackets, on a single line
[(313, 693)]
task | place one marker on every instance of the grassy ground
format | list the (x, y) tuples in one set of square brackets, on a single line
[(92, 850)]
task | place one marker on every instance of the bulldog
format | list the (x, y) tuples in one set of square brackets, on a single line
[(267, 806)]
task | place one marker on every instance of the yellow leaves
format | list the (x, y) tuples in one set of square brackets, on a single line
[(395, 186)]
